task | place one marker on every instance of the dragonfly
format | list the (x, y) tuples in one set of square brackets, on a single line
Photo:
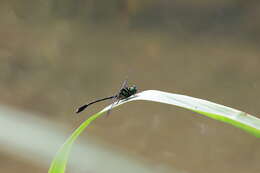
[(123, 93)]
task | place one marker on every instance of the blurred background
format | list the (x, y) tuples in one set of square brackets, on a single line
[(56, 55)]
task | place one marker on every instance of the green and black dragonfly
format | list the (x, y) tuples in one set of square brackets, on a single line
[(123, 93)]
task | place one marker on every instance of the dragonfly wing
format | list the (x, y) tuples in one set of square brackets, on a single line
[(116, 98), (125, 84), (112, 105)]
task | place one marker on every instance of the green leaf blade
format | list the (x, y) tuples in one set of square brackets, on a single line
[(215, 111), (59, 163)]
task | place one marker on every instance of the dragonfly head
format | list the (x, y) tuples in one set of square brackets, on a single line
[(133, 90)]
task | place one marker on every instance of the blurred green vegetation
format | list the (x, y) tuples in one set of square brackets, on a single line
[(193, 16)]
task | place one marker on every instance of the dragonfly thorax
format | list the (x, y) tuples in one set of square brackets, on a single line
[(127, 92)]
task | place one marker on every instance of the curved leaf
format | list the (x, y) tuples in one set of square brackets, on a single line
[(219, 112)]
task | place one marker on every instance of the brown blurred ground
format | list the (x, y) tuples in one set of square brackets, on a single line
[(56, 55)]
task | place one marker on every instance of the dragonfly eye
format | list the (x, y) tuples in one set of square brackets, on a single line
[(133, 89)]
